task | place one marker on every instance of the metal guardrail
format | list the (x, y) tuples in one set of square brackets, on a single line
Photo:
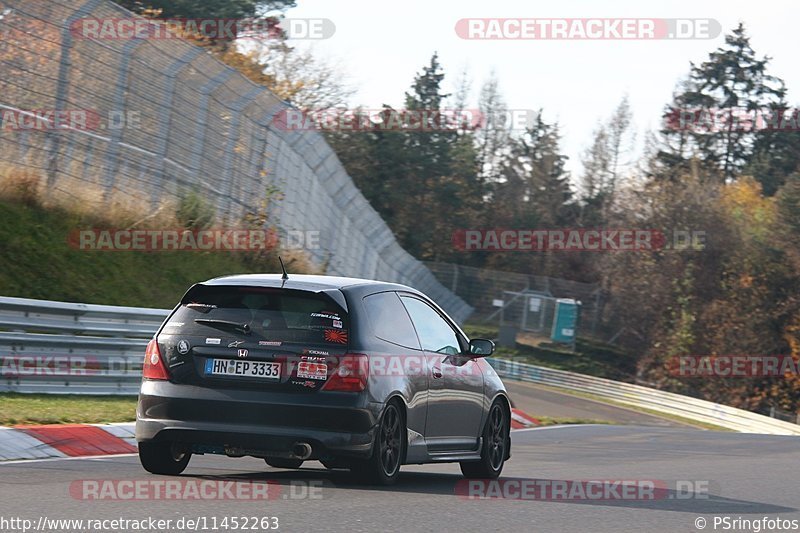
[(646, 398), (58, 347), (73, 348)]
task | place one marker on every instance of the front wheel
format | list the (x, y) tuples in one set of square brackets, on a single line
[(164, 458), (495, 446), (388, 449)]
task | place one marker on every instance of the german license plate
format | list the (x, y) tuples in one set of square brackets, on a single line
[(245, 369)]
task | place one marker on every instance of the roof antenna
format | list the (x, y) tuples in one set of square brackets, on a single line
[(284, 276)]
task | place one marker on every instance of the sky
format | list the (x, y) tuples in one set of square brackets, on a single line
[(382, 45)]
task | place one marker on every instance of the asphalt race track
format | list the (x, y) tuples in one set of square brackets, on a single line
[(739, 476)]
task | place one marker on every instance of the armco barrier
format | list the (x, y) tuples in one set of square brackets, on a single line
[(646, 398), (59, 347), (98, 349)]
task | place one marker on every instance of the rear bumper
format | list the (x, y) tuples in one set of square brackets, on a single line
[(255, 422)]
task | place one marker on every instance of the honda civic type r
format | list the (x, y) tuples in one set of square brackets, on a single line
[(357, 374)]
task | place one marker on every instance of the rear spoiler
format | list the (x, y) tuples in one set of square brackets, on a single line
[(334, 294)]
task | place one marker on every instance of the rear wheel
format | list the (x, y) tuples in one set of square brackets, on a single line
[(164, 458), (388, 449), (279, 462), (495, 446)]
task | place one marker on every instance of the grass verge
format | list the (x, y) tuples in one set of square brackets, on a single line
[(38, 262), (17, 409), (558, 421)]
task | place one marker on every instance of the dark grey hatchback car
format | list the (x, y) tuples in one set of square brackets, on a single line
[(357, 374)]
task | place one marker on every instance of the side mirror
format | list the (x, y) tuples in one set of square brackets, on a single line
[(481, 347)]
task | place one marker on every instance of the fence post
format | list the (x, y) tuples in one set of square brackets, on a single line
[(112, 156), (165, 117), (596, 313), (237, 108), (62, 86), (198, 146)]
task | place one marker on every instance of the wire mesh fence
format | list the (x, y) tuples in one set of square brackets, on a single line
[(145, 121), (780, 414), (524, 300)]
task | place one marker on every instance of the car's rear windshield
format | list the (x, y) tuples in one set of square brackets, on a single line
[(255, 313)]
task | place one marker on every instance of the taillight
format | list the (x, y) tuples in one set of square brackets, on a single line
[(154, 367), (351, 374)]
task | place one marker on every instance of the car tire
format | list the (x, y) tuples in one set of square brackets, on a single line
[(388, 449), (164, 458), (495, 446), (280, 462)]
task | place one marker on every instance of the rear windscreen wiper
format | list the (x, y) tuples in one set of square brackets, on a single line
[(223, 324), (203, 308)]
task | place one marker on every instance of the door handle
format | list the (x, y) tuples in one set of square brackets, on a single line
[(437, 373)]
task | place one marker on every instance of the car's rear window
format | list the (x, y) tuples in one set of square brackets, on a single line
[(390, 321), (260, 314)]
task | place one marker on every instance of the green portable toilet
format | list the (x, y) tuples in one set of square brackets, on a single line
[(565, 321)]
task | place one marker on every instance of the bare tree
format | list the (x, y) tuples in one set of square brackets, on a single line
[(620, 142), (493, 137), (303, 78)]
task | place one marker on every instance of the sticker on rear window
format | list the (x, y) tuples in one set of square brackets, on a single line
[(270, 343), (330, 316), (335, 335), (326, 319), (213, 341)]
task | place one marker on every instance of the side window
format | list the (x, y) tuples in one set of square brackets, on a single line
[(390, 320), (434, 332)]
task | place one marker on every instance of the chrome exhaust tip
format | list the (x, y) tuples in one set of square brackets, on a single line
[(301, 450)]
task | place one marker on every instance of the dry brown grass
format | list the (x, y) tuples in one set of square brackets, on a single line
[(20, 186), (299, 262), (87, 203), (85, 200)]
